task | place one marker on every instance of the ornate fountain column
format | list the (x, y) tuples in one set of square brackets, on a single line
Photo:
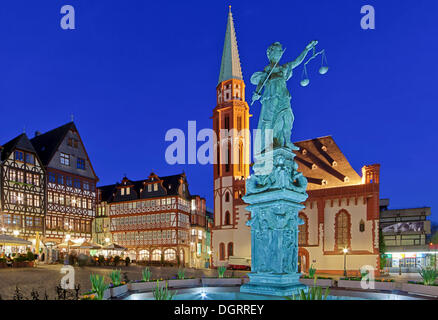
[(276, 190)]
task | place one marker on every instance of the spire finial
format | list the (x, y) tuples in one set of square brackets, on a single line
[(229, 8), (230, 65)]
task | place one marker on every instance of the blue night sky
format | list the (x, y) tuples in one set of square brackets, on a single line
[(131, 70)]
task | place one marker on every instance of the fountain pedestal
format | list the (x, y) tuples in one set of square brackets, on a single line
[(275, 193)]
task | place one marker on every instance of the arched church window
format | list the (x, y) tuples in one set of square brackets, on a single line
[(227, 218), (221, 251), (342, 230), (303, 230), (362, 226), (230, 249), (227, 196)]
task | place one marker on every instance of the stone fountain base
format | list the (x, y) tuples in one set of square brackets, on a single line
[(274, 284)]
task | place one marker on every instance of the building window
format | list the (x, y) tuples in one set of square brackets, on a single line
[(230, 249), (69, 181), (64, 159), (342, 230), (227, 197), (149, 187), (77, 184), (221, 251), (303, 230), (227, 218), (155, 186), (19, 156), (122, 191), (362, 226), (170, 255), (156, 254), (128, 191), (60, 179), (86, 186), (30, 158), (81, 163)]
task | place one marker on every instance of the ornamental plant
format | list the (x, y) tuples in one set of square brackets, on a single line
[(98, 285), (181, 274), (116, 277), (313, 293), (221, 271), (429, 276), (312, 272), (146, 274), (163, 293)]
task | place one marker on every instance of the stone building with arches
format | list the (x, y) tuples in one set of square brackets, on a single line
[(342, 211), (154, 219)]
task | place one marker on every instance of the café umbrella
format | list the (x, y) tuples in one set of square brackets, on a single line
[(86, 245), (114, 247), (7, 240)]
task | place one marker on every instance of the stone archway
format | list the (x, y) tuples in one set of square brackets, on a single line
[(303, 260)]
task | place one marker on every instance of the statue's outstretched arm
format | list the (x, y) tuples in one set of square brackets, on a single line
[(303, 55)]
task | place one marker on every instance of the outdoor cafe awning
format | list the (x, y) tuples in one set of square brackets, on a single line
[(114, 247), (13, 241), (86, 245)]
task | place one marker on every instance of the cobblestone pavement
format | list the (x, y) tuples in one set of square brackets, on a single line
[(45, 278)]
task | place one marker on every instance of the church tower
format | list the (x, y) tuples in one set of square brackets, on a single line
[(232, 156)]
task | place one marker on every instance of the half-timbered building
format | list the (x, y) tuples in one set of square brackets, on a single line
[(71, 184), (23, 199), (151, 217)]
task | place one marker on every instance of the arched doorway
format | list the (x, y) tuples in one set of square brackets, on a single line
[(303, 260)]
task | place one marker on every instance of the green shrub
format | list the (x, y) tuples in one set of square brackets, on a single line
[(363, 275), (163, 293), (181, 274), (116, 260), (127, 261), (116, 277), (221, 271), (98, 285), (312, 271), (429, 276), (30, 256), (313, 293), (146, 274)]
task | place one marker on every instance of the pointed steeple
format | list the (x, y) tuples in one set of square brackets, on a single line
[(230, 66)]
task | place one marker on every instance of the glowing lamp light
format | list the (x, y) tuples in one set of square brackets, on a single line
[(345, 250), (203, 295), (107, 240), (3, 230), (16, 232), (67, 237)]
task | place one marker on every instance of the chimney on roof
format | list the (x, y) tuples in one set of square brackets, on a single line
[(37, 133)]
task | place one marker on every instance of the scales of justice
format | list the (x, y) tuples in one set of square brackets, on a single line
[(276, 190)]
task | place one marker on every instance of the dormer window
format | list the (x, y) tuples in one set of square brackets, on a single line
[(19, 156), (128, 191), (122, 191), (149, 187), (155, 186)]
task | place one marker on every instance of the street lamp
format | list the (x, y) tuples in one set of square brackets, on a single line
[(16, 232), (345, 251)]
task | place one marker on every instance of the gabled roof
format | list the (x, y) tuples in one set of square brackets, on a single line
[(20, 142), (47, 144), (170, 184), (324, 165), (230, 65)]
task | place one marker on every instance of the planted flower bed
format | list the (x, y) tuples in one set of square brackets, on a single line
[(141, 285), (356, 283), (420, 288), (177, 283), (320, 282), (219, 282), (118, 290)]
